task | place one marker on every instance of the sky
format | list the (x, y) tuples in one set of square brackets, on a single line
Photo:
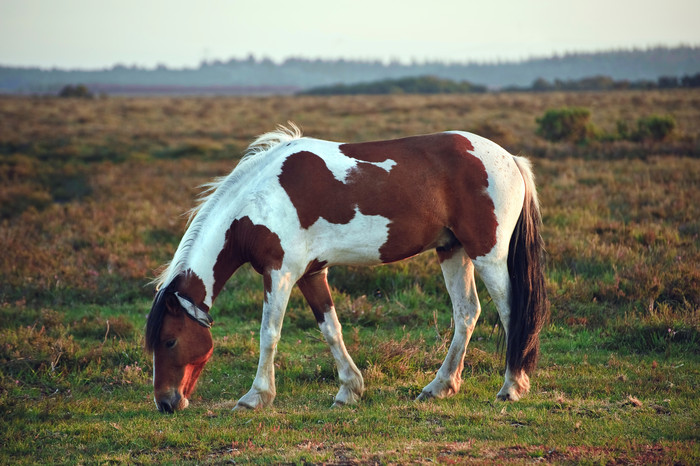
[(94, 34)]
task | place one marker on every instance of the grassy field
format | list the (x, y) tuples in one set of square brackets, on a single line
[(91, 201)]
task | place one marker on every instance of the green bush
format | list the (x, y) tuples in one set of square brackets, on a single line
[(566, 124), (655, 127), (80, 91)]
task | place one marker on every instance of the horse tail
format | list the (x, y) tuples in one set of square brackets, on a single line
[(529, 307)]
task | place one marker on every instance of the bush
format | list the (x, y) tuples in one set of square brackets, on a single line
[(566, 124), (80, 91), (655, 127)]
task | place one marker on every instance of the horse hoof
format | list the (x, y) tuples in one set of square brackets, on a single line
[(425, 396), (507, 397), (337, 404), (242, 407)]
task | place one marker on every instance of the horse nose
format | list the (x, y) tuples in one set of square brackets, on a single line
[(165, 407), (169, 405)]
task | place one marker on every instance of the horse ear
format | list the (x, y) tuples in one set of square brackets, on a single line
[(172, 305)]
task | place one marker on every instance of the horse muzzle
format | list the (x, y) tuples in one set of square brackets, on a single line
[(171, 402)]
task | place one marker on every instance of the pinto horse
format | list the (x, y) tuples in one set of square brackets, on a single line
[(294, 206)]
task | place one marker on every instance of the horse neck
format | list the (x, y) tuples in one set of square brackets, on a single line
[(212, 249), (206, 259)]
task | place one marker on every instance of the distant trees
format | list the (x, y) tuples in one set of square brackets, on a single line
[(691, 81), (606, 83), (436, 85)]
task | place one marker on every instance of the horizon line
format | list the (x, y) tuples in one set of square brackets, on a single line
[(263, 58)]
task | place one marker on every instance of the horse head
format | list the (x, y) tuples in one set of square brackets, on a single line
[(178, 336)]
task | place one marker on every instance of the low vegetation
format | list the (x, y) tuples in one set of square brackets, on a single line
[(92, 193), (411, 85), (79, 91), (573, 124), (436, 85), (566, 124)]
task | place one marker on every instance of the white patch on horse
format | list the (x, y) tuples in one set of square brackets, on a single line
[(339, 164), (386, 165), (354, 243), (209, 244)]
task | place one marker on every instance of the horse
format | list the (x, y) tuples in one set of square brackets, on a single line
[(295, 206)]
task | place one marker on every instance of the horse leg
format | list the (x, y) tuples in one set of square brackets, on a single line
[(263, 391), (314, 287), (458, 271), (497, 280)]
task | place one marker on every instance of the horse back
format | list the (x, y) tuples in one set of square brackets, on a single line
[(400, 197)]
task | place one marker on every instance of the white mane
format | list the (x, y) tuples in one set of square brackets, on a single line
[(267, 141), (215, 189)]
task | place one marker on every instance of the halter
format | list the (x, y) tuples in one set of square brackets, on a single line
[(195, 313)]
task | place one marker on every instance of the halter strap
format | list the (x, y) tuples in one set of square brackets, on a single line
[(195, 313)]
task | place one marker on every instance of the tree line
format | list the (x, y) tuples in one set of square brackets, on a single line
[(436, 85), (299, 74)]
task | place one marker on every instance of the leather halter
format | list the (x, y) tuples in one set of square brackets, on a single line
[(195, 313)]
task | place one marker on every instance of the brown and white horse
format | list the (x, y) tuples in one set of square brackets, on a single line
[(294, 206)]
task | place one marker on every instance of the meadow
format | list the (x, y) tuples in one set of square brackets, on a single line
[(92, 196)]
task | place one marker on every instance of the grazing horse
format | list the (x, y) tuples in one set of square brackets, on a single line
[(294, 206)]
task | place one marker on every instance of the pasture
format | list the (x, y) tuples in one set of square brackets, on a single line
[(92, 197)]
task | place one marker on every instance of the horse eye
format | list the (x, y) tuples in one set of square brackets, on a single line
[(170, 343)]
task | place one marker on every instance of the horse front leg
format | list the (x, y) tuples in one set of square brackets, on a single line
[(314, 287), (263, 391), (458, 271)]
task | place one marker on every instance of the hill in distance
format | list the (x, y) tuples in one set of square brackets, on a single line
[(263, 76)]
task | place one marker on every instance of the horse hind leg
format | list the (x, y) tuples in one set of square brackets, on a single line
[(314, 287), (494, 274), (458, 271)]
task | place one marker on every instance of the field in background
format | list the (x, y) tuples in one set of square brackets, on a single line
[(91, 197)]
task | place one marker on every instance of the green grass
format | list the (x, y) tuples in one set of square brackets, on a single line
[(90, 206), (81, 390)]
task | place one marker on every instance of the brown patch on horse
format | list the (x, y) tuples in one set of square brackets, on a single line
[(314, 287), (305, 177), (192, 286), (436, 184), (248, 242), (315, 266)]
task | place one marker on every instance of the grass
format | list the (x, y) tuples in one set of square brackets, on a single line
[(90, 205)]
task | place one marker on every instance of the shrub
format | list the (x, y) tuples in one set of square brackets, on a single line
[(655, 127), (566, 124), (80, 91)]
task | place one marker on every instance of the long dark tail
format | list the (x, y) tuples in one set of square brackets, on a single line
[(529, 307)]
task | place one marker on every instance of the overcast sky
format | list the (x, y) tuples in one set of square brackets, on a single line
[(101, 33)]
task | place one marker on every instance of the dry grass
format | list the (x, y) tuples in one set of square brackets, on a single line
[(91, 190), (91, 197)]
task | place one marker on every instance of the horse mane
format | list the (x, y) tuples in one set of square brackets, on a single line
[(267, 141), (155, 318), (215, 189)]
